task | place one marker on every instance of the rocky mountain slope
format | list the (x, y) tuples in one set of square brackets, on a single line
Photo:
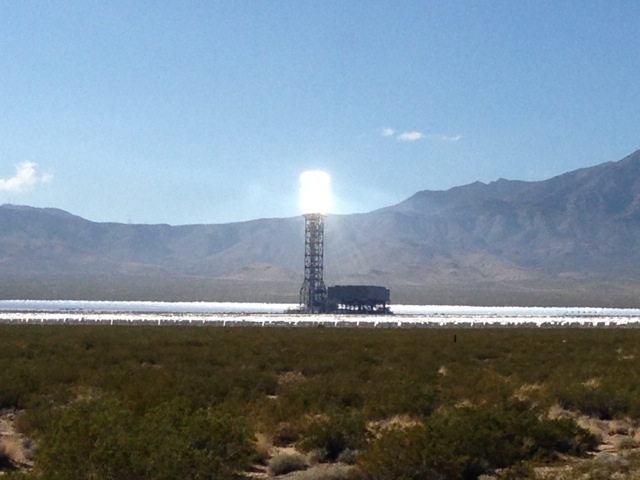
[(569, 240)]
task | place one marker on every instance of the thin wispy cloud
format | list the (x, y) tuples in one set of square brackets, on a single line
[(26, 178), (446, 138), (415, 135), (410, 136)]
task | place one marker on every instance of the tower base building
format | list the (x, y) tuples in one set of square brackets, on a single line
[(359, 299)]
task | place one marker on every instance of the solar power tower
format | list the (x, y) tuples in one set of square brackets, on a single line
[(313, 294)]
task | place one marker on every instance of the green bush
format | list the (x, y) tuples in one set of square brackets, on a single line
[(18, 475), (502, 436), (332, 435), (465, 443), (605, 466), (92, 379), (105, 438), (413, 453), (88, 440), (560, 435), (285, 434), (602, 402), (175, 442), (331, 472), (16, 385)]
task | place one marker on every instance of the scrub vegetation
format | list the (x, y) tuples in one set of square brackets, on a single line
[(111, 402)]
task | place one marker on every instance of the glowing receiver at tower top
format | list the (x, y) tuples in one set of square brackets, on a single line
[(315, 192)]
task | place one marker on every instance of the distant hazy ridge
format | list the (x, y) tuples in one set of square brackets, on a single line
[(570, 240)]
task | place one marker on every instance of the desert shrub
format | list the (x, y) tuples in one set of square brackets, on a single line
[(51, 371), (402, 394), (36, 418), (174, 441), (17, 383), (504, 435), (519, 471), (409, 454), (330, 472), (560, 435), (285, 434), (105, 438), (347, 456), (332, 435), (10, 394), (287, 462), (88, 440), (628, 443), (482, 440), (604, 466), (465, 443), (18, 475), (602, 402)]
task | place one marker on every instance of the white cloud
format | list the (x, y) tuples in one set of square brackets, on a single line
[(410, 136), (25, 178), (414, 135)]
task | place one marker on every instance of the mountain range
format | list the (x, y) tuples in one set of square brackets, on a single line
[(571, 240)]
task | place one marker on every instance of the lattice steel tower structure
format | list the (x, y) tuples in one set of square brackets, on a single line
[(313, 294)]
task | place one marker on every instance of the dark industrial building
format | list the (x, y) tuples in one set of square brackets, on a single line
[(358, 299)]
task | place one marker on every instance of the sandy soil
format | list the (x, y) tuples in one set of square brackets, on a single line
[(16, 447)]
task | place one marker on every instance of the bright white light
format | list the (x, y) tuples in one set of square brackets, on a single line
[(315, 192)]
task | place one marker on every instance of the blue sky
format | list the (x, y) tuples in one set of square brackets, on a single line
[(174, 111)]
